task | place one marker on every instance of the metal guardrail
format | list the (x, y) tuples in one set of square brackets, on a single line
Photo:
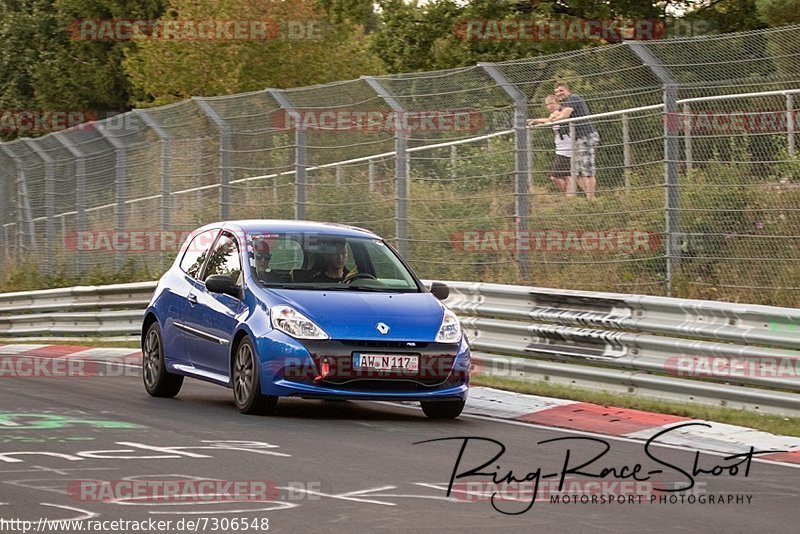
[(737, 355), (720, 353), (112, 310)]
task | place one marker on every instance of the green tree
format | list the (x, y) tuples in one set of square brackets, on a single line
[(166, 71), (432, 35), (778, 12), (43, 65)]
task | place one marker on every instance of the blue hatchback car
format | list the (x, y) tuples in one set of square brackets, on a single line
[(275, 309)]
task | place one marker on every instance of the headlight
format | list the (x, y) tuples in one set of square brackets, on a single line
[(450, 331), (292, 322)]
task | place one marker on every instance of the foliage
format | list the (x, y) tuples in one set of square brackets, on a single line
[(43, 66), (167, 71)]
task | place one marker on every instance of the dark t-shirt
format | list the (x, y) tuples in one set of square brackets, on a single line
[(322, 277), (579, 109)]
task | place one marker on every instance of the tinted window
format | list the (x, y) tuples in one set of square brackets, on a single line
[(196, 252), (225, 259)]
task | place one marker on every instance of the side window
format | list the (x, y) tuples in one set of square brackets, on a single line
[(196, 252), (225, 259), (385, 265), (287, 254)]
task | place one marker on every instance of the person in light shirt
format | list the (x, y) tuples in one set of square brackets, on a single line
[(562, 162)]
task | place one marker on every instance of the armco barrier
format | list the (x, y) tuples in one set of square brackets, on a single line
[(84, 311), (719, 353)]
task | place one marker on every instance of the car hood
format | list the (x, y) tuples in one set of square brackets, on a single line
[(355, 315)]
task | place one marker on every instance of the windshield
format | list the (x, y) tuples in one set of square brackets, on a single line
[(330, 262)]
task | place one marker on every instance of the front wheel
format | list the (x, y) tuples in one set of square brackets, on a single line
[(157, 380), (246, 383), (442, 409)]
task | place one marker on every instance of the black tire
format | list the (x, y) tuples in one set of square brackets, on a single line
[(157, 380), (247, 384), (442, 409)]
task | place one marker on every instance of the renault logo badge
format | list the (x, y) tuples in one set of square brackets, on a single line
[(383, 328)]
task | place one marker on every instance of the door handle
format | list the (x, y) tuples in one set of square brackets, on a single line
[(192, 298)]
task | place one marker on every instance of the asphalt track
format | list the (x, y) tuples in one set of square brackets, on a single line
[(337, 466)]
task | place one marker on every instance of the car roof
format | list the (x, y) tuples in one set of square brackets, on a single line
[(291, 226)]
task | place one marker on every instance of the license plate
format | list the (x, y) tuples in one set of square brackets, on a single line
[(386, 362)]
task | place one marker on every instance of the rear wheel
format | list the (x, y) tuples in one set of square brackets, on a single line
[(442, 409), (247, 384), (157, 380)]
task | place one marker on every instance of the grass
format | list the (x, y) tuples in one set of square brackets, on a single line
[(775, 424)]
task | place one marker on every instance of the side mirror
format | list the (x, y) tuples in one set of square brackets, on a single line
[(219, 283), (440, 290)]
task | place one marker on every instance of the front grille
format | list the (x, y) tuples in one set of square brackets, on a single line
[(436, 362)]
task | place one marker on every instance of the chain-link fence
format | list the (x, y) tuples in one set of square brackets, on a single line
[(698, 176)]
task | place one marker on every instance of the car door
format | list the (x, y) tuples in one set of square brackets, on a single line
[(176, 304), (211, 318)]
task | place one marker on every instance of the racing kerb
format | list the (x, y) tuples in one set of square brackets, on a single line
[(718, 353)]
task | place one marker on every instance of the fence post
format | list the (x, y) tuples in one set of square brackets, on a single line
[(790, 124), (572, 182), (339, 173), (80, 191), (453, 161), (401, 165), (49, 200), (371, 175), (300, 154), (4, 224), (224, 155), (24, 214), (166, 155), (626, 152), (687, 137), (671, 150), (520, 163), (120, 185)]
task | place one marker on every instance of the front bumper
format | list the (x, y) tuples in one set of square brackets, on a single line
[(443, 371)]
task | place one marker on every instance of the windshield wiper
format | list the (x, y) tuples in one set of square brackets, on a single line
[(383, 289)]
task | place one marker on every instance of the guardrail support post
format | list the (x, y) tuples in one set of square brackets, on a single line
[(80, 191), (224, 156), (671, 150), (300, 155), (520, 163), (401, 165), (166, 155), (49, 201), (120, 182)]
